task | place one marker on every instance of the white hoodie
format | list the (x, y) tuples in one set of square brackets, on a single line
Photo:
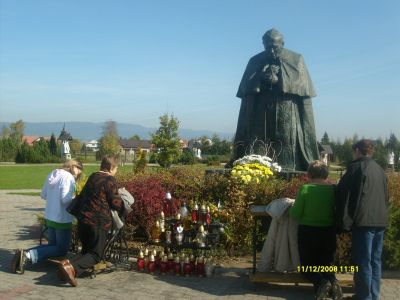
[(58, 191)]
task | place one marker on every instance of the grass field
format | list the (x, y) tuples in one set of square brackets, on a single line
[(33, 176), (16, 177)]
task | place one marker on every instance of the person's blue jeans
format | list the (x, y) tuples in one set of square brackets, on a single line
[(366, 252), (58, 244)]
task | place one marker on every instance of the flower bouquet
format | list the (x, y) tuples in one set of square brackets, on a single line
[(254, 168)]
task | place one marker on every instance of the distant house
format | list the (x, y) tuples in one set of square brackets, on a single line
[(93, 145), (325, 150), (31, 139), (130, 147), (129, 144)]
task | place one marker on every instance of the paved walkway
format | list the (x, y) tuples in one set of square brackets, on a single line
[(18, 229)]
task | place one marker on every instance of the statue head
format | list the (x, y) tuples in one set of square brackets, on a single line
[(273, 42)]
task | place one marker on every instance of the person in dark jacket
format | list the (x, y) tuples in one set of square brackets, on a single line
[(98, 197), (362, 207)]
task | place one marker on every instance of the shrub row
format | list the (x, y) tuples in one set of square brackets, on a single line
[(190, 184)]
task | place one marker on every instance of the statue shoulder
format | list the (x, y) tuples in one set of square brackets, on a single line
[(257, 59), (290, 55)]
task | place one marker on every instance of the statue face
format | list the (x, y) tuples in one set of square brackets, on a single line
[(273, 46)]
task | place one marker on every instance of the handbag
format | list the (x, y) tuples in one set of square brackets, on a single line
[(128, 201), (127, 198), (74, 207)]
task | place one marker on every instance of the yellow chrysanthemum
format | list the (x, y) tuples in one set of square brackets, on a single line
[(251, 172)]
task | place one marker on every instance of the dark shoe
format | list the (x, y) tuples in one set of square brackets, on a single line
[(337, 293), (323, 290), (66, 272), (22, 262), (15, 260), (18, 262), (353, 297)]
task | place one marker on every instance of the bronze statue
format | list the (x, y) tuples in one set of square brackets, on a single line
[(276, 110)]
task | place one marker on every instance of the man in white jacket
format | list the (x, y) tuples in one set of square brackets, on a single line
[(58, 191)]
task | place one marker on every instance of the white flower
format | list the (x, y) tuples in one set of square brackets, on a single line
[(260, 159), (276, 167)]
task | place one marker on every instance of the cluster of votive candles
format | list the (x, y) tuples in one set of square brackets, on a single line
[(152, 262)]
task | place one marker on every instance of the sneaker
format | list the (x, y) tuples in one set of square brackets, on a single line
[(15, 260), (323, 290), (337, 293)]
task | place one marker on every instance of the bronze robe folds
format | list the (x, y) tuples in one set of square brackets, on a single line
[(280, 114)]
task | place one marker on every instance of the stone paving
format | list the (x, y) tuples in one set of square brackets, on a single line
[(19, 229)]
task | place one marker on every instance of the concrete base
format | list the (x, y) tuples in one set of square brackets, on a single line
[(294, 277)]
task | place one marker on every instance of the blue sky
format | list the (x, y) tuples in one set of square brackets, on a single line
[(132, 61)]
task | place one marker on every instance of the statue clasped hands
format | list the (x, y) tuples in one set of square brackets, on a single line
[(270, 73)]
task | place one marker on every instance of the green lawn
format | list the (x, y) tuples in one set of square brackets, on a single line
[(24, 193), (33, 176)]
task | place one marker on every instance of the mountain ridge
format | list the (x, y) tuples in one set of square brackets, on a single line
[(86, 131)]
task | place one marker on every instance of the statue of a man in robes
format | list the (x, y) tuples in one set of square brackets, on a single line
[(276, 110)]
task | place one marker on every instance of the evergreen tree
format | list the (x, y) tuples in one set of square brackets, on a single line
[(325, 139), (53, 145), (40, 152), (187, 157), (166, 140), (393, 143), (206, 144), (25, 154), (346, 152), (8, 149), (141, 163), (380, 153)]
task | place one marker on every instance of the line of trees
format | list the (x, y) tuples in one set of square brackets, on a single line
[(215, 145), (41, 151), (11, 138), (343, 153), (167, 143), (12, 148)]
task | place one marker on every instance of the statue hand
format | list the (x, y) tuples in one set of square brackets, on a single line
[(271, 78), (271, 73), (275, 69), (274, 78)]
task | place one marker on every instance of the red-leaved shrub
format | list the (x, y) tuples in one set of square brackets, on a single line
[(149, 194)]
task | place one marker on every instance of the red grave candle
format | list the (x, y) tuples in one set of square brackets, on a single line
[(152, 264), (177, 267), (186, 267), (195, 214), (164, 265)]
